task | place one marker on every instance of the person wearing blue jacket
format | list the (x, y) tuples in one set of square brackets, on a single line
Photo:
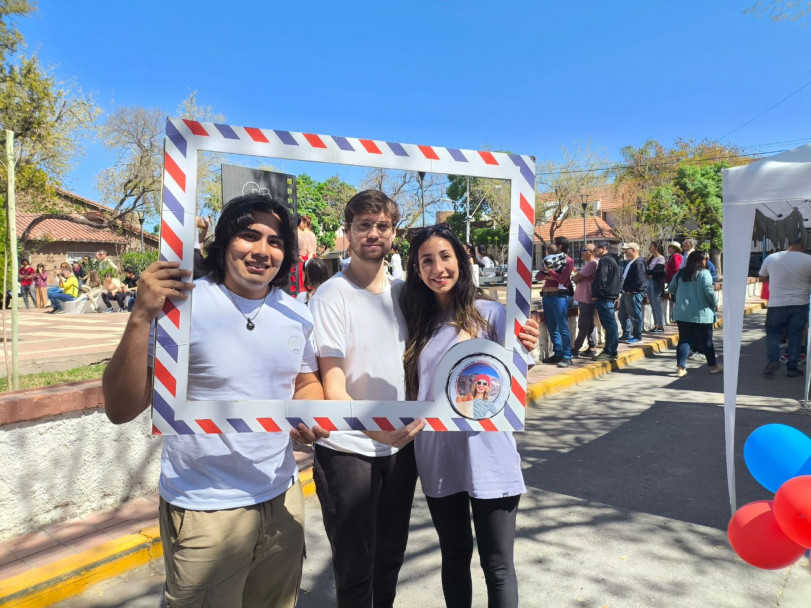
[(694, 311)]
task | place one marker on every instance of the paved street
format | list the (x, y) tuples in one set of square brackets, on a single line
[(626, 503), (58, 342)]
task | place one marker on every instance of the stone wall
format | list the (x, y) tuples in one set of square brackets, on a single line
[(62, 458)]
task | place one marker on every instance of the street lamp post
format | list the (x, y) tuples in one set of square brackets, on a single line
[(421, 175), (584, 201), (141, 219)]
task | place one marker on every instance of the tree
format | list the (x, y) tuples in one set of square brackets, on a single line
[(323, 202), (47, 117), (562, 183), (209, 174), (408, 190), (10, 38), (488, 198), (700, 189), (674, 190), (781, 10)]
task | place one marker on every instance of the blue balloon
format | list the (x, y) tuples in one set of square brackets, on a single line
[(775, 453)]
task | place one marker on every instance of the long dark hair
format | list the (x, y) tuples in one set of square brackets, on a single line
[(421, 307), (695, 263), (237, 214), (315, 274)]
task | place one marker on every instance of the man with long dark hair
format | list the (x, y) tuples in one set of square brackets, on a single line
[(231, 508)]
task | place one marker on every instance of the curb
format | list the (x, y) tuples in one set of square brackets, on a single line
[(568, 379), (72, 575)]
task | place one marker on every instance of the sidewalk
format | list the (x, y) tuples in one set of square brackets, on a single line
[(62, 560), (50, 343)]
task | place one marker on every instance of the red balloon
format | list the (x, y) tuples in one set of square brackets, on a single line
[(792, 509), (758, 540)]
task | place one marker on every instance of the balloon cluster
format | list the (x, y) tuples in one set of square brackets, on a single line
[(772, 534)]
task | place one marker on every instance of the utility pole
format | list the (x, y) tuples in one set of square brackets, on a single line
[(467, 212), (11, 215)]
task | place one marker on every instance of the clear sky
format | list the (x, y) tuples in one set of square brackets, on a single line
[(526, 76)]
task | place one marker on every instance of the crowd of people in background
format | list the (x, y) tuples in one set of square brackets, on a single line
[(615, 289), (96, 280)]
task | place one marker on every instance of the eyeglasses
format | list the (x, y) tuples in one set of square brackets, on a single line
[(363, 228), (482, 383)]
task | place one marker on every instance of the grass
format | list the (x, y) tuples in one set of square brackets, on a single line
[(89, 372)]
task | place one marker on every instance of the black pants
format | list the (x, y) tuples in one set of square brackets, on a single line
[(366, 507), (119, 297), (696, 337), (494, 520)]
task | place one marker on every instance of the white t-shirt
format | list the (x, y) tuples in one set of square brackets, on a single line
[(396, 266), (368, 332), (684, 257), (226, 361), (474, 268), (789, 275)]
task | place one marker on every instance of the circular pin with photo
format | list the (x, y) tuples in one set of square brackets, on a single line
[(478, 386)]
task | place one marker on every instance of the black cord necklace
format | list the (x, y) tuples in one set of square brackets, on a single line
[(249, 325)]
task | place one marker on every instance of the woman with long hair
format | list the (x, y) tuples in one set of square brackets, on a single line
[(94, 288), (694, 311), (460, 471), (41, 286), (655, 271), (315, 274), (474, 266)]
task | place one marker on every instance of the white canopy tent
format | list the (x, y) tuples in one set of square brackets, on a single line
[(774, 186)]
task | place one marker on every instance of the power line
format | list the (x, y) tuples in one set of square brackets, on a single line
[(766, 110), (658, 163)]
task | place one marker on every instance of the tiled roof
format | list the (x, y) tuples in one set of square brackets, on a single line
[(611, 196), (63, 230), (572, 229), (135, 228)]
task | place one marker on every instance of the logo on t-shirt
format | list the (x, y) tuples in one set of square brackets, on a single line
[(295, 344)]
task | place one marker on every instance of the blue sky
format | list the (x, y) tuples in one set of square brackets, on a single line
[(527, 77)]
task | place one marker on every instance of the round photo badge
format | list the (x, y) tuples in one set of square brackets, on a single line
[(478, 386)]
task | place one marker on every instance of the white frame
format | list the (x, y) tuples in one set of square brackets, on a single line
[(173, 414)]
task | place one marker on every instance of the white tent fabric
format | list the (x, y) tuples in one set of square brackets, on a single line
[(775, 186)]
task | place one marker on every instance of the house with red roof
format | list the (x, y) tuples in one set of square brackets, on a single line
[(54, 241), (604, 203)]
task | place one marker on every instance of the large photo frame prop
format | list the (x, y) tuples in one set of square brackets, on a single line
[(171, 412)]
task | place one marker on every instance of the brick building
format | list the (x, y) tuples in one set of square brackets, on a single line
[(54, 241)]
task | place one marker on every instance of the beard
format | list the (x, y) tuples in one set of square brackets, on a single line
[(362, 253)]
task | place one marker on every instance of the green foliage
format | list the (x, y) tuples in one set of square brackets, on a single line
[(496, 237), (676, 189), (405, 247), (456, 221), (488, 198), (700, 190), (10, 38), (138, 260), (324, 203)]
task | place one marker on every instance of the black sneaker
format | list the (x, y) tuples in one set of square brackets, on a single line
[(565, 363), (553, 360), (589, 353), (604, 356), (791, 372)]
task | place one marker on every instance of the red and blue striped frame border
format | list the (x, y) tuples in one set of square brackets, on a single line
[(185, 139)]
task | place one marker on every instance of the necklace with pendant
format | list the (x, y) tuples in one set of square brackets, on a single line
[(249, 324)]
